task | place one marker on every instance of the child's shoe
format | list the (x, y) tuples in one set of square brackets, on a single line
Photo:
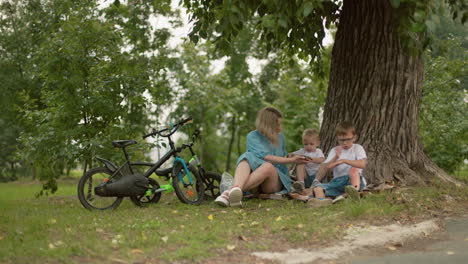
[(298, 186), (319, 202), (352, 192), (235, 196), (339, 198), (223, 199)]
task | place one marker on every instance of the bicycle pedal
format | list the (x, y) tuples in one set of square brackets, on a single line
[(159, 190)]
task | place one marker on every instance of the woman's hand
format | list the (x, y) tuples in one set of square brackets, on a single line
[(298, 159)]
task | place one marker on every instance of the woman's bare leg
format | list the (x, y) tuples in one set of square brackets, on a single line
[(242, 174), (266, 177)]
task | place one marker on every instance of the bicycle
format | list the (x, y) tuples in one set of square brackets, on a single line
[(105, 187)]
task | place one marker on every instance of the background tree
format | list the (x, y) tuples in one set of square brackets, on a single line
[(376, 72), (87, 73), (443, 123)]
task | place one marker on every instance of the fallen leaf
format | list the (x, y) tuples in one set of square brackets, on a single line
[(2, 237), (279, 218), (300, 226), (51, 246), (450, 252), (174, 212), (243, 238), (164, 239), (53, 221), (210, 217), (398, 244), (254, 223), (230, 247), (118, 260), (137, 251), (391, 248)]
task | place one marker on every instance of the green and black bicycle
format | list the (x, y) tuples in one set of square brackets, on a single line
[(105, 187)]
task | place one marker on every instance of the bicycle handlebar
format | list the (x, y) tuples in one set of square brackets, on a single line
[(172, 128)]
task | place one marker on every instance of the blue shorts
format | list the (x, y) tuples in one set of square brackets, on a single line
[(336, 186), (309, 179)]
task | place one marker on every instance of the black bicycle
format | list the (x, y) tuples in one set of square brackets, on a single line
[(105, 187)]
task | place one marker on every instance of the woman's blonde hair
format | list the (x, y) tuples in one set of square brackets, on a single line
[(267, 123)]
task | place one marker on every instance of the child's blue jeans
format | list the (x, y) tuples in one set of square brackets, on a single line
[(336, 186)]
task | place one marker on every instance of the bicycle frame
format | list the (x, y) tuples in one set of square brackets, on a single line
[(173, 151)]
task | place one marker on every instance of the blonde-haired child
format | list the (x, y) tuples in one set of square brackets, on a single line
[(306, 172)]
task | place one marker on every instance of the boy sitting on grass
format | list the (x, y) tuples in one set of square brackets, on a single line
[(306, 172), (347, 161)]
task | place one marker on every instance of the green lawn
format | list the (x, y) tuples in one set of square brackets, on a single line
[(58, 229), (462, 175)]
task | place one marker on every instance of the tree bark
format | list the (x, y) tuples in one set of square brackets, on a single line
[(376, 84)]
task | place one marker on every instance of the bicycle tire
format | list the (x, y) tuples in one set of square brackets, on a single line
[(187, 193), (144, 200), (88, 199), (211, 181)]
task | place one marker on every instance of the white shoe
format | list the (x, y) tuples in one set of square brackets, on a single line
[(235, 197), (223, 199), (339, 198)]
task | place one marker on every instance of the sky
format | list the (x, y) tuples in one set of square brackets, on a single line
[(181, 33)]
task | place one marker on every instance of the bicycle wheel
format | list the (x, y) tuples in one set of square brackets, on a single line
[(88, 198), (211, 181), (144, 199), (189, 193)]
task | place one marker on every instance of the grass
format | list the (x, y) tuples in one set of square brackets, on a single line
[(58, 229), (462, 174)]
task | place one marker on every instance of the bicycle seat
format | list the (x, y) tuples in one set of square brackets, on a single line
[(123, 143), (163, 172)]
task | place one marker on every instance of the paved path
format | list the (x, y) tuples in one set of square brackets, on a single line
[(424, 243), (448, 247)]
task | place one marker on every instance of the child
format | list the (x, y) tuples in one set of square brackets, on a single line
[(347, 161), (306, 172)]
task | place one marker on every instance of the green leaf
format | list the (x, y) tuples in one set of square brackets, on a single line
[(203, 34), (282, 22), (308, 7), (435, 18), (431, 26), (418, 27), (269, 22), (419, 15), (395, 3)]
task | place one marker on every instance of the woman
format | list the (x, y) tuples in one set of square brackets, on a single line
[(263, 164)]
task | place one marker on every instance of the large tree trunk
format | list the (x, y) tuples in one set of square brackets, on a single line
[(376, 84)]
